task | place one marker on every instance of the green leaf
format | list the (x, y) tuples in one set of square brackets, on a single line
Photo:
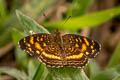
[(29, 24), (36, 8), (90, 20), (5, 38), (3, 11), (117, 78), (115, 59), (45, 74), (79, 7), (32, 68), (92, 68), (67, 73), (83, 76), (17, 35), (0, 77), (9, 19), (108, 74), (49, 77), (19, 75), (5, 29), (39, 72), (21, 57)]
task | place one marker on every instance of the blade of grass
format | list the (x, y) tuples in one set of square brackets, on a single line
[(39, 72), (108, 74), (115, 59), (90, 20), (45, 74), (3, 11), (117, 78), (19, 75), (49, 77), (0, 77), (79, 7), (5, 39)]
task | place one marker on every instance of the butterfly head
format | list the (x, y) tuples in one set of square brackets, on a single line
[(57, 32)]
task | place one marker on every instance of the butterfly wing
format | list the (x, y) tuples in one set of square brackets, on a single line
[(79, 49), (44, 47)]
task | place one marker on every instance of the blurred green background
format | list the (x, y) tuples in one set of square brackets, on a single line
[(96, 19)]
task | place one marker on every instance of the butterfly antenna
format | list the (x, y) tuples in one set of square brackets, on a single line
[(44, 15), (68, 16), (57, 31), (66, 20)]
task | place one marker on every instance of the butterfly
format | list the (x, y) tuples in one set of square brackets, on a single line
[(57, 51)]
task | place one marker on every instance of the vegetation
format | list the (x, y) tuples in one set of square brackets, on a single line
[(29, 68)]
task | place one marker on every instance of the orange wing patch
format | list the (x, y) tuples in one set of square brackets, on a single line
[(41, 39), (37, 45), (38, 38), (84, 47), (93, 51), (86, 41), (24, 40), (32, 39), (44, 44), (38, 52), (28, 44), (91, 47), (50, 56), (75, 56), (87, 53), (80, 40), (76, 45)]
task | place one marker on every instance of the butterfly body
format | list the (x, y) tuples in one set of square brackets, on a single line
[(57, 51)]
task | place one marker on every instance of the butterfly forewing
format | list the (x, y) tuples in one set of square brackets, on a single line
[(44, 46), (79, 43)]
